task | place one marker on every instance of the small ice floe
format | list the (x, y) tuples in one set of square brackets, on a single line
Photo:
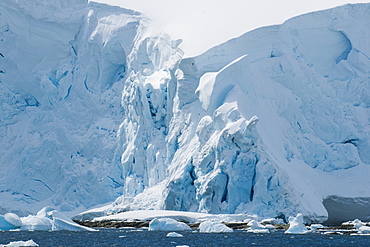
[(167, 224), (174, 235), (10, 221), (296, 225), (361, 227), (20, 243), (210, 226), (255, 227)]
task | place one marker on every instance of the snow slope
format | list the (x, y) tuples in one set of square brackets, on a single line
[(94, 107)]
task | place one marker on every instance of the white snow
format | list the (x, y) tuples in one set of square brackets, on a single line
[(211, 226), (296, 225), (167, 224), (20, 243)]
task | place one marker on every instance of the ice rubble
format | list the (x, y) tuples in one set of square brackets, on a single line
[(93, 107), (167, 224)]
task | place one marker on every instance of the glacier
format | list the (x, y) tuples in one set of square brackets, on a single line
[(97, 108)]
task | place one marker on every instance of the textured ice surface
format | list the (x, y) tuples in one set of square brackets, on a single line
[(92, 108)]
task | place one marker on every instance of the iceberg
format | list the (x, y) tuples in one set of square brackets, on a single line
[(211, 226), (167, 224), (296, 225), (10, 221), (49, 219)]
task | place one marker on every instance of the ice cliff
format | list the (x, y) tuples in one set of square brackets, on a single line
[(94, 106)]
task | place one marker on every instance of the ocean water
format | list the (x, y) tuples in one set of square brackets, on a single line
[(125, 237)]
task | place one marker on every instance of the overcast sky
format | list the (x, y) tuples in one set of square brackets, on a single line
[(203, 24)]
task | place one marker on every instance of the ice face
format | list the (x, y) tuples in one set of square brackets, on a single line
[(62, 66), (271, 122)]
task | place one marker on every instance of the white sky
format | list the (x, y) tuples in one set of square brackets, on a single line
[(203, 24)]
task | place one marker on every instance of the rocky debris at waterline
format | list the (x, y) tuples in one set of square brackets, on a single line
[(113, 224), (140, 224)]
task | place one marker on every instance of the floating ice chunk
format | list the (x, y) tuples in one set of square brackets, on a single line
[(210, 226), (174, 234), (256, 227), (360, 227), (20, 243), (10, 221), (167, 224), (49, 219), (296, 225)]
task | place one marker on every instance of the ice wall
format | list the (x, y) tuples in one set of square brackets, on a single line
[(269, 123), (62, 69)]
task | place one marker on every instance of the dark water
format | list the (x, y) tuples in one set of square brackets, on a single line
[(145, 238)]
